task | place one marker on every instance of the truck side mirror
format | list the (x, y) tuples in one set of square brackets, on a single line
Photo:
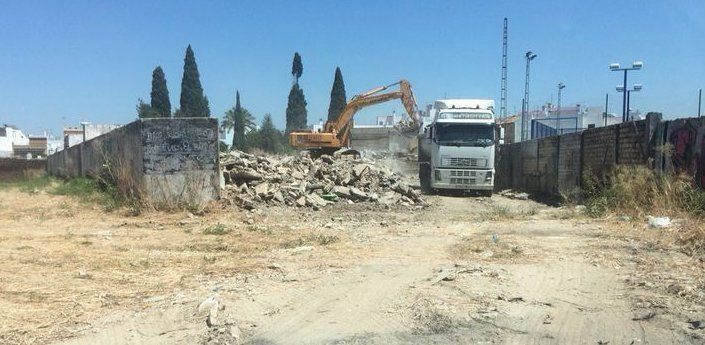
[(501, 135)]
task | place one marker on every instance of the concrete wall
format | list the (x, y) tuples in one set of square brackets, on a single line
[(15, 169), (381, 139), (166, 160), (554, 165)]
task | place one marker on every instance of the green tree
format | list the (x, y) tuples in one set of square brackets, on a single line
[(337, 96), (192, 102), (144, 110), (160, 94), (206, 107), (297, 67), (240, 121), (269, 136), (296, 109)]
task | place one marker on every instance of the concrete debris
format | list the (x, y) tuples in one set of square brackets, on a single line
[(659, 222), (514, 195), (251, 181)]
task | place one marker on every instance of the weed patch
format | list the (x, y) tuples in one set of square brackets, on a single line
[(30, 185), (217, 229), (639, 191), (320, 239)]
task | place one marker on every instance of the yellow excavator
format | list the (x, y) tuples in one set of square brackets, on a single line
[(336, 134)]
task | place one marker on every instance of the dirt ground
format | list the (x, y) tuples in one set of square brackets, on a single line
[(465, 270)]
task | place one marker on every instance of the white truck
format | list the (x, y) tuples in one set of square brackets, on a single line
[(457, 149)]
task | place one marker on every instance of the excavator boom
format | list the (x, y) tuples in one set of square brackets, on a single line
[(336, 134)]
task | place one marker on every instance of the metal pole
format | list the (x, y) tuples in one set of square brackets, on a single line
[(523, 120), (624, 98), (558, 111), (503, 101), (607, 100), (629, 93), (700, 100)]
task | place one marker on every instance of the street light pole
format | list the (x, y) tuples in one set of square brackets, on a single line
[(627, 94), (525, 114), (700, 100), (625, 107), (615, 67)]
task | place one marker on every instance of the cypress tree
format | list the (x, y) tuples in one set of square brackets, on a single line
[(238, 124), (192, 103), (337, 96), (296, 109), (160, 94), (297, 67), (206, 107)]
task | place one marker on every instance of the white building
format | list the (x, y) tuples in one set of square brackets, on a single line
[(10, 136), (75, 135)]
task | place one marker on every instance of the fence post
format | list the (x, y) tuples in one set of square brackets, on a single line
[(650, 139)]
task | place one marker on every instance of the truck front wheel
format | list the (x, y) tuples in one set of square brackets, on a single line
[(425, 178)]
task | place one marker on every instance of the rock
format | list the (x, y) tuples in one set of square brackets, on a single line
[(360, 169), (315, 200), (328, 159), (342, 191), (521, 196), (208, 304), (659, 222), (696, 324), (301, 201), (278, 196), (262, 189), (358, 194), (245, 175), (297, 175)]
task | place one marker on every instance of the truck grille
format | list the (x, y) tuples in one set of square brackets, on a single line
[(467, 162), (463, 173), (454, 180)]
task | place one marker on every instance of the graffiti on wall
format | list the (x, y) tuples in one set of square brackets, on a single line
[(688, 155)]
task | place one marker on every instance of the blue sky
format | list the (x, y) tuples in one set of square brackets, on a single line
[(69, 61)]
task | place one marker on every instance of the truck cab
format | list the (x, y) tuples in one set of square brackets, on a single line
[(457, 149)]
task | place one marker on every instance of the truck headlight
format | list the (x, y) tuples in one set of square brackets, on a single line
[(437, 174), (488, 177)]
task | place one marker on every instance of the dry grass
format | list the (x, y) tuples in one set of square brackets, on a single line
[(76, 268), (638, 191), (483, 247)]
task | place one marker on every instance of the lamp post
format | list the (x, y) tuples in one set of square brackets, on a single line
[(561, 86), (636, 65), (635, 88), (525, 114)]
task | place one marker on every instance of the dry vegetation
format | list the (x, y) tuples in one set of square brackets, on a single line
[(65, 258), (638, 192)]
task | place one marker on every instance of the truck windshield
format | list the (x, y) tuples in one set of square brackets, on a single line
[(453, 134)]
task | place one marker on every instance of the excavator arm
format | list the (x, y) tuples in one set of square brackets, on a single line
[(336, 134)]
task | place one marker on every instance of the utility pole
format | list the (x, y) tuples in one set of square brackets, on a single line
[(503, 101), (561, 86), (607, 100), (700, 100), (525, 114)]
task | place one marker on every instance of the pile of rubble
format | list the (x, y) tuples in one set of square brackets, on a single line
[(301, 181)]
